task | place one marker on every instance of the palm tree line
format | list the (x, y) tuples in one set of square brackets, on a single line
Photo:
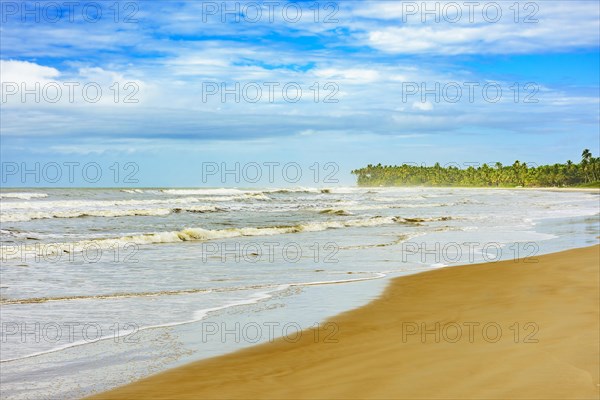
[(586, 173)]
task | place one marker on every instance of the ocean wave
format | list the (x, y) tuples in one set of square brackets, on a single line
[(189, 234), (419, 221), (255, 196), (23, 196), (208, 192), (199, 209), (84, 205), (240, 192), (293, 190), (125, 295), (36, 300), (75, 205), (177, 292), (157, 212), (198, 315), (398, 240), (407, 202), (331, 211), (365, 207), (132, 191)]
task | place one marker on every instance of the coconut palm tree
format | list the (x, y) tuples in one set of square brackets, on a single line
[(513, 175)]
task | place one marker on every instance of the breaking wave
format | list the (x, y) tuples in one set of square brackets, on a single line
[(132, 191), (208, 192), (28, 216), (331, 211), (23, 196), (189, 234)]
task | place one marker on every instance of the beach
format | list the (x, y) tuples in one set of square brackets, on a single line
[(299, 200), (105, 287), (524, 329)]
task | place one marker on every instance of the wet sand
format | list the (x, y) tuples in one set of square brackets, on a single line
[(506, 330)]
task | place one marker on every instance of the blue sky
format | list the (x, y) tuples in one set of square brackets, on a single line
[(366, 55)]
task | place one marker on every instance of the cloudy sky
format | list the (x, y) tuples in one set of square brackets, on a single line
[(171, 86)]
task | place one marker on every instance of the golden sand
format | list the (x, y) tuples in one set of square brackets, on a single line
[(406, 344)]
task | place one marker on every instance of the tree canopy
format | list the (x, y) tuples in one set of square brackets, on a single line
[(569, 174)]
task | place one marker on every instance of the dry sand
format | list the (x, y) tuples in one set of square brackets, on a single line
[(555, 303)]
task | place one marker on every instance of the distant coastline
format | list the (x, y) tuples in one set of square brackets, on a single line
[(584, 175)]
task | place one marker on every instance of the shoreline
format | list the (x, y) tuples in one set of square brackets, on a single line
[(406, 343), (558, 189), (544, 189)]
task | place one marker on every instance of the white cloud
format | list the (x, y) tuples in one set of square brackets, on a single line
[(554, 26), (422, 106), (27, 72), (27, 84), (352, 75), (171, 68)]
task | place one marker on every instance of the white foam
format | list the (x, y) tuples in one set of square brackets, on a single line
[(199, 315), (132, 191), (28, 216), (84, 205), (185, 235), (23, 196), (208, 192), (439, 265)]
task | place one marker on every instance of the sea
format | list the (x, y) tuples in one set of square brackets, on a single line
[(102, 287)]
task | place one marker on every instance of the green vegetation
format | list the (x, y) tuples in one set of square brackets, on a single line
[(584, 174), (590, 185)]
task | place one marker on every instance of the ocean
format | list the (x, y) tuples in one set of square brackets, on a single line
[(100, 287)]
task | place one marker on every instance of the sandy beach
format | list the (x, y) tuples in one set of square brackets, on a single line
[(512, 330), (299, 200)]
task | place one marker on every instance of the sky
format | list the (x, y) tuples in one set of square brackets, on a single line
[(282, 93)]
